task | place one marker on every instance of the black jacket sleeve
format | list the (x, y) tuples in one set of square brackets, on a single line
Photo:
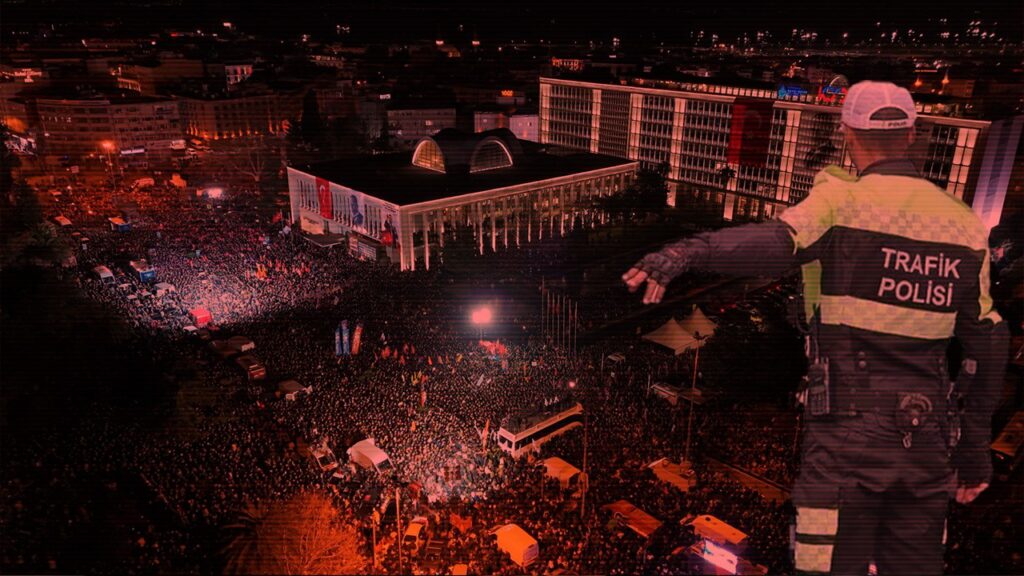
[(763, 249), (985, 340)]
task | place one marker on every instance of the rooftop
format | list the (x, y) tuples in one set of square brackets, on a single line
[(393, 177), (518, 423)]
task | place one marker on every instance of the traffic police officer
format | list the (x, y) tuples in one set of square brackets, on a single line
[(893, 268)]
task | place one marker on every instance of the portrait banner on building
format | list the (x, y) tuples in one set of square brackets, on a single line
[(323, 196), (750, 132), (389, 236)]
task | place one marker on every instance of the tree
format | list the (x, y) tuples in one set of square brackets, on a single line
[(27, 211), (348, 136), (251, 161), (311, 126), (8, 160), (301, 535), (44, 247), (648, 194)]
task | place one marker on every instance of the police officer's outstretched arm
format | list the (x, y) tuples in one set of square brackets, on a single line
[(985, 340), (764, 249)]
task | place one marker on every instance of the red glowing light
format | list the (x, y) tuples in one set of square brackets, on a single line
[(481, 316)]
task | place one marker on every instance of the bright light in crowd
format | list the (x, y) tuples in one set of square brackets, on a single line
[(481, 316), (107, 145), (572, 383)]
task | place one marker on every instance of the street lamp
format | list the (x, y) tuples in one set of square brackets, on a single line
[(693, 391), (108, 147), (481, 317)]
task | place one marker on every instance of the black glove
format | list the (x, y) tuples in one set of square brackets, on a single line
[(663, 267)]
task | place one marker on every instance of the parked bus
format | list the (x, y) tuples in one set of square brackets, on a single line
[(528, 431), (1008, 447)]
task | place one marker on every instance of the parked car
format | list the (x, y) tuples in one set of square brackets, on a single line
[(416, 534), (325, 458)]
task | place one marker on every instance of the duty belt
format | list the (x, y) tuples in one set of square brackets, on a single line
[(854, 394)]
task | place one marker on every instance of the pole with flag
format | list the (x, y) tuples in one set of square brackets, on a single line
[(486, 433), (576, 337), (543, 303), (345, 347)]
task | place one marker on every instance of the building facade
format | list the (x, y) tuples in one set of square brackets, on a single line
[(525, 126), (486, 188), (750, 151), (484, 120), (407, 126), (134, 128), (242, 116)]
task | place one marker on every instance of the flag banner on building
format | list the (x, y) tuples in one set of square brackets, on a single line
[(337, 341), (323, 196), (357, 338), (345, 349), (750, 132)]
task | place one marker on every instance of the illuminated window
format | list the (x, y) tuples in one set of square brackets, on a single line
[(490, 155), (428, 155)]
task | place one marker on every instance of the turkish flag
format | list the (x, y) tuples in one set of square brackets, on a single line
[(323, 196), (750, 132)]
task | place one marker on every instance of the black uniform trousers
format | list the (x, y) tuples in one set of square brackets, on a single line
[(903, 533), (863, 497)]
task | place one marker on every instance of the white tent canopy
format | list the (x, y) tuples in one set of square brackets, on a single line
[(697, 323), (718, 531), (672, 336), (682, 477), (561, 470)]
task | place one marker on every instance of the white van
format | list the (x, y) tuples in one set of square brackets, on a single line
[(366, 454), (104, 274), (517, 543)]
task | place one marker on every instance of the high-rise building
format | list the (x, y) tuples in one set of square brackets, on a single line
[(750, 151)]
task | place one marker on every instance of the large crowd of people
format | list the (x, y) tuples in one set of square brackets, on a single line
[(428, 394)]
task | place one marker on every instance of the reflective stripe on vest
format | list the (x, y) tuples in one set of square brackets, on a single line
[(886, 318)]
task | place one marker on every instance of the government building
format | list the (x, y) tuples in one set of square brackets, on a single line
[(490, 187), (750, 152)]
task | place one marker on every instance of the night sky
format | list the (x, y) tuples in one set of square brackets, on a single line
[(645, 19)]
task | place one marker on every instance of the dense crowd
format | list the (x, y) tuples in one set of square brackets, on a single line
[(428, 394)]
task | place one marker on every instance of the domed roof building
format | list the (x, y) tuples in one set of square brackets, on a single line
[(406, 206)]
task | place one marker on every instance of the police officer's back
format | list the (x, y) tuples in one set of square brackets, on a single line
[(893, 268)]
